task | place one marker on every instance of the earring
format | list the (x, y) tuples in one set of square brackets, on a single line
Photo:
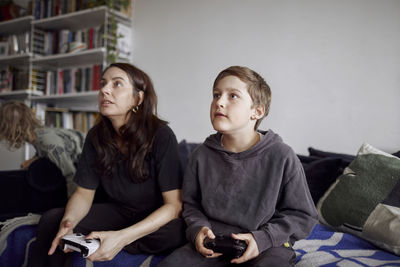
[(135, 109)]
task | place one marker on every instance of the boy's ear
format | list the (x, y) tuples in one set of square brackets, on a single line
[(259, 112)]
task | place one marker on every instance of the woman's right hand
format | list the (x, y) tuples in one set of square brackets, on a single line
[(203, 233), (65, 228)]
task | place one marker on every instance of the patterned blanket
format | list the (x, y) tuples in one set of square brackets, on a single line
[(323, 247)]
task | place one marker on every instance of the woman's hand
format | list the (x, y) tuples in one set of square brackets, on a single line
[(252, 248), (77, 207), (25, 165), (65, 228), (111, 244), (199, 242)]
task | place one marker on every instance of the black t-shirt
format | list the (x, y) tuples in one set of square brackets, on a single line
[(141, 198)]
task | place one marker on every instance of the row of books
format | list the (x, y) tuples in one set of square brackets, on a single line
[(72, 80), (15, 44), (62, 118), (38, 80), (49, 8), (66, 41), (13, 79), (52, 82)]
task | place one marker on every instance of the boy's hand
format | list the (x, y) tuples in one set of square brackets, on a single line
[(252, 248), (203, 233)]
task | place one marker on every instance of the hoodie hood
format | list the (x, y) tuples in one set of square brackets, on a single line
[(268, 139)]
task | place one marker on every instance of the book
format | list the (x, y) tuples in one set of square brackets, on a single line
[(60, 81), (96, 77)]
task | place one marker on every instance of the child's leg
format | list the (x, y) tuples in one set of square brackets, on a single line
[(274, 257), (188, 256), (46, 231)]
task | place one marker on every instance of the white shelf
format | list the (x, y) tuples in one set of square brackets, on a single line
[(15, 60), (20, 94), (86, 57), (14, 26), (87, 18), (84, 101), (120, 17), (73, 21)]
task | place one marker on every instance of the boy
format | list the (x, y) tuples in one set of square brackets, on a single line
[(243, 183)]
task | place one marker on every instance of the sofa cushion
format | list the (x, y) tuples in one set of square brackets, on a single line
[(48, 186), (365, 199), (346, 158), (44, 175), (185, 149), (320, 174)]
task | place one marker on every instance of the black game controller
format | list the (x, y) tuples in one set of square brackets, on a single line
[(227, 245)]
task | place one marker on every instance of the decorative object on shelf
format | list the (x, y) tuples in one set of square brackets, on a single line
[(13, 9), (115, 28)]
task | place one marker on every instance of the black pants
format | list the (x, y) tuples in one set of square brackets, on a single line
[(188, 256), (103, 217)]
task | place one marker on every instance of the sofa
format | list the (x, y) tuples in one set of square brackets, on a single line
[(329, 244)]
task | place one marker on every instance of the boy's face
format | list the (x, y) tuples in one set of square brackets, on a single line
[(231, 110)]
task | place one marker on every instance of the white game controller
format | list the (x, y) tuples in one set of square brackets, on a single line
[(77, 242)]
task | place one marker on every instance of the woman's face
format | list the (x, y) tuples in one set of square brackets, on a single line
[(116, 95)]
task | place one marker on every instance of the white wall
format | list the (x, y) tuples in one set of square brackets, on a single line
[(333, 66)]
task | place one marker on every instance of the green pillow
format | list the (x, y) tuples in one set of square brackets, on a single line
[(365, 199)]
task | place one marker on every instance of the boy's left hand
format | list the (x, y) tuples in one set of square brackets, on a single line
[(252, 248)]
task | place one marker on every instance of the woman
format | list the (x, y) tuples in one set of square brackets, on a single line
[(133, 156), (57, 150)]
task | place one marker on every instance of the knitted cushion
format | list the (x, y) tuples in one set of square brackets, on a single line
[(365, 199)]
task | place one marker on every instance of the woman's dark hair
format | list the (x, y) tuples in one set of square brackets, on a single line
[(136, 135)]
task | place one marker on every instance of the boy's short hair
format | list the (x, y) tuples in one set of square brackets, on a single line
[(258, 89)]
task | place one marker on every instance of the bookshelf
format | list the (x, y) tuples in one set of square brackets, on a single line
[(21, 94), (17, 25), (86, 57), (54, 70), (41, 61), (85, 101), (16, 60), (15, 53)]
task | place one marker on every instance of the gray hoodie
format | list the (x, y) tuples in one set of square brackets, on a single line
[(262, 190)]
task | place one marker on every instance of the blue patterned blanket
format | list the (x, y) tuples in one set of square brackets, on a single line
[(323, 247)]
